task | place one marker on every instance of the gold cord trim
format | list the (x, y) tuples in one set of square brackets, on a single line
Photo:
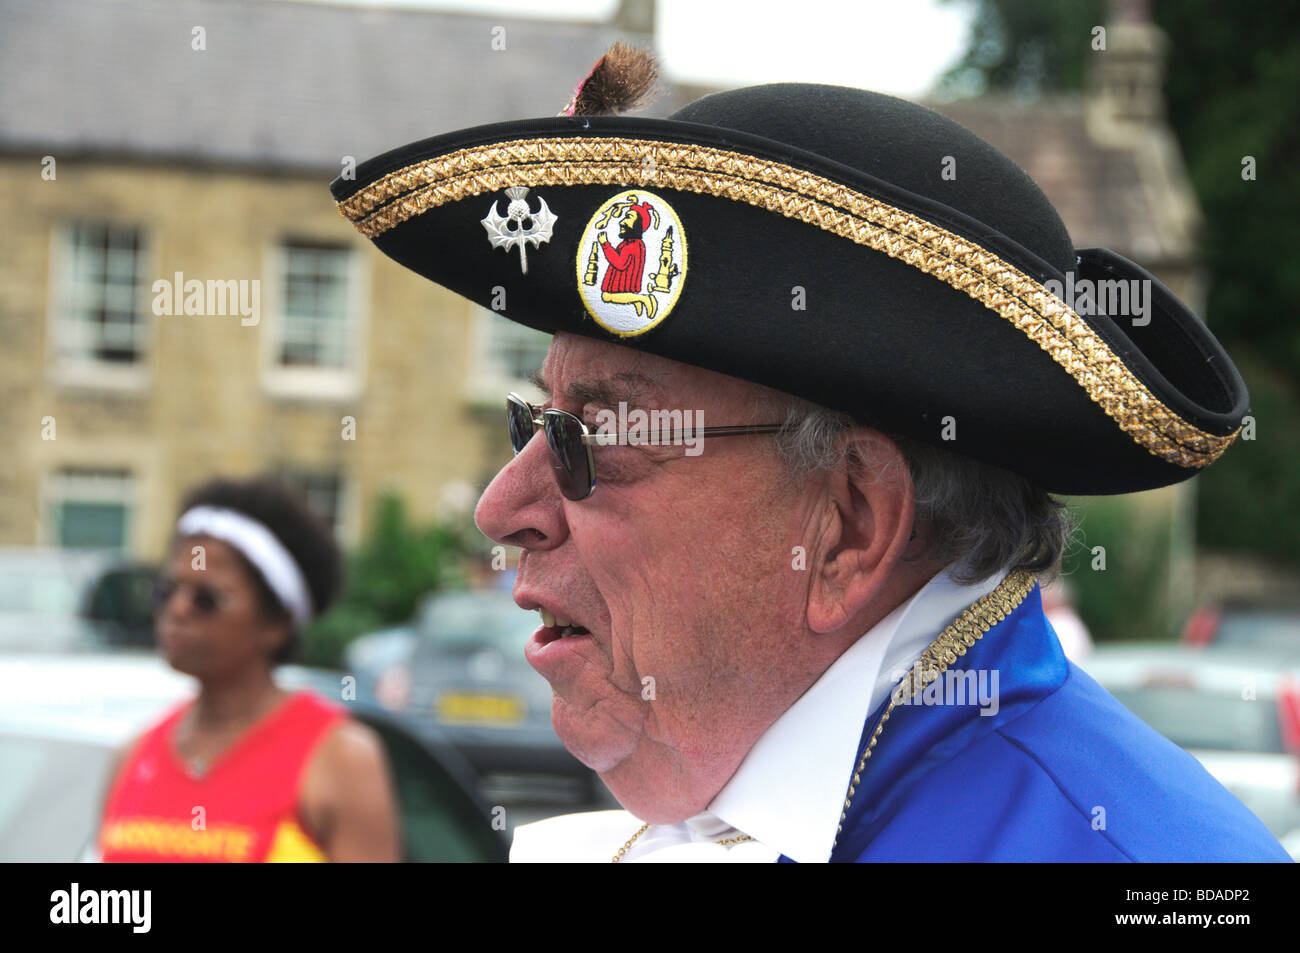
[(628, 846), (951, 643), (815, 200), (645, 827)]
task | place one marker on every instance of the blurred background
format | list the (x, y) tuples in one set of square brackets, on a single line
[(179, 140)]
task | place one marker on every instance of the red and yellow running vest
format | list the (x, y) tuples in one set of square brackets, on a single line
[(243, 809)]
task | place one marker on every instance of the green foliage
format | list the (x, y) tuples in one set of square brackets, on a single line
[(397, 565), (1233, 90), (325, 639), (1129, 598), (1026, 46), (1250, 498)]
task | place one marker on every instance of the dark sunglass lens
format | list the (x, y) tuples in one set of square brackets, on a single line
[(520, 419), (161, 593), (205, 600), (574, 468)]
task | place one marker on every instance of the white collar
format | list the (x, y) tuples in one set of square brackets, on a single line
[(789, 791)]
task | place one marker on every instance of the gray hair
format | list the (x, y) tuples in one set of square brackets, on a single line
[(984, 519)]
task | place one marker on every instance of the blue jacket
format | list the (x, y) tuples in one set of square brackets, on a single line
[(1062, 772)]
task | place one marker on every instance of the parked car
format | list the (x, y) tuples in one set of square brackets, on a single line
[(1238, 713), (380, 662), (463, 674), (63, 716), (55, 600), (1272, 627)]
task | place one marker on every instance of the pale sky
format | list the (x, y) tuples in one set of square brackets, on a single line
[(892, 46)]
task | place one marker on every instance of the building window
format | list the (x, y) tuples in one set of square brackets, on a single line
[(101, 314), (315, 347), (90, 508), (507, 353), (324, 493), (315, 331)]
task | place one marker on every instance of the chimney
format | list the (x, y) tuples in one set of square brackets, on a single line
[(636, 16), (1127, 77)]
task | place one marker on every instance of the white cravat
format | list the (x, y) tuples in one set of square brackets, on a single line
[(788, 793)]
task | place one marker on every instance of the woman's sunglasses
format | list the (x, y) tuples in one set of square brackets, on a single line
[(571, 442), (205, 599)]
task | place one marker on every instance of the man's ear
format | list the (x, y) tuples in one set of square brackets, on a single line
[(870, 523)]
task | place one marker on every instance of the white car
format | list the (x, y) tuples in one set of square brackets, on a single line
[(62, 716), (1237, 713), (57, 600)]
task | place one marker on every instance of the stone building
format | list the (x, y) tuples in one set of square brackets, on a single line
[(178, 295)]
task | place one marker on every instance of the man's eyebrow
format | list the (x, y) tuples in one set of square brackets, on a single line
[(606, 392)]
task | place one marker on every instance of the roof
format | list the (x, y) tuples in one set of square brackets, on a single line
[(1099, 191), (298, 86), (280, 84)]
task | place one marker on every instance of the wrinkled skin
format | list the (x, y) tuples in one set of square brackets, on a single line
[(684, 570)]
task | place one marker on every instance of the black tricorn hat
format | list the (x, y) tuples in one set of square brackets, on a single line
[(815, 239)]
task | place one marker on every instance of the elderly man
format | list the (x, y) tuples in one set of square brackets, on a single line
[(801, 620)]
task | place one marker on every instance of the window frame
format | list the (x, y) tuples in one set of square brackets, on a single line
[(314, 383), (489, 380), (84, 370), (52, 493), (346, 525)]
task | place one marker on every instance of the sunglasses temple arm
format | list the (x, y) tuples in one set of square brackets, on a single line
[(738, 431), (612, 439)]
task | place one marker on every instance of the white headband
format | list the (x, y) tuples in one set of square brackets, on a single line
[(260, 546)]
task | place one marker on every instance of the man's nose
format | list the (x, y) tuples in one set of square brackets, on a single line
[(522, 506)]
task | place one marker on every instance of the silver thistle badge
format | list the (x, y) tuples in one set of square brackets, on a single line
[(520, 225)]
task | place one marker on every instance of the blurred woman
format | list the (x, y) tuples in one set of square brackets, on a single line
[(247, 771)]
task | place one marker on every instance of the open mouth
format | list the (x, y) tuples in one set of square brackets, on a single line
[(558, 628)]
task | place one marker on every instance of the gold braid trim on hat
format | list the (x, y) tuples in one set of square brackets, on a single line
[(798, 194), (952, 642)]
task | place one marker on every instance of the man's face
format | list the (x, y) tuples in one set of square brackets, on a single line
[(679, 566), (629, 224)]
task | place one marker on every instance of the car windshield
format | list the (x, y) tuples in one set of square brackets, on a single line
[(472, 621), (1274, 630), (1199, 719), (40, 589)]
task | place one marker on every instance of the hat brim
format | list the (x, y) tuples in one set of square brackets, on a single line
[(915, 318)]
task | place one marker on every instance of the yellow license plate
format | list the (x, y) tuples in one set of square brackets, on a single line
[(480, 708)]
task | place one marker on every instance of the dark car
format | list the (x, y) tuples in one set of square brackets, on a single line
[(464, 675)]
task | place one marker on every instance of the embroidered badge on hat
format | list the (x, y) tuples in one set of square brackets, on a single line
[(629, 281)]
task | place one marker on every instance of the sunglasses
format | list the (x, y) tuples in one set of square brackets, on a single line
[(571, 442), (204, 598)]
